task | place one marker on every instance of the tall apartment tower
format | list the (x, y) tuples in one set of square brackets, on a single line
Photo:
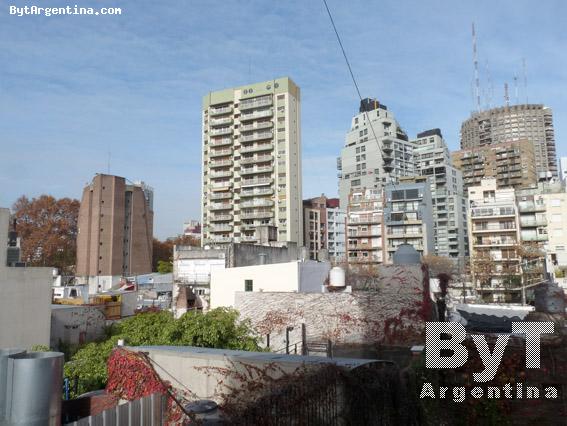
[(324, 227), (533, 122), (115, 228), (432, 161), (252, 163), (376, 151)]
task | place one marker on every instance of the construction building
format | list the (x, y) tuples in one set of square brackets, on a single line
[(376, 151), (511, 163), (531, 122), (324, 228), (252, 163), (115, 228), (433, 161)]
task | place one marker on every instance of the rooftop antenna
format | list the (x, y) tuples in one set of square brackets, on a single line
[(475, 63), (516, 95), (490, 90), (506, 95), (525, 78)]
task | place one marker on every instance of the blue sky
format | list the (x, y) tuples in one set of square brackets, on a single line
[(73, 88)]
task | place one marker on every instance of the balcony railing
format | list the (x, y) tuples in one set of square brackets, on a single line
[(538, 237), (256, 191), (257, 103), (253, 170), (220, 206), (220, 195), (256, 136), (256, 182), (220, 163), (220, 153), (496, 242), (258, 147), (256, 114), (222, 174), (495, 227), (219, 240), (256, 126), (533, 222), (220, 228), (257, 203), (256, 159), (221, 218), (223, 131), (257, 215), (219, 111), (221, 142), (220, 122)]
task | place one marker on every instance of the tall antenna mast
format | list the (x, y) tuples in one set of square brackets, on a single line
[(490, 89), (506, 95), (475, 63), (516, 95), (525, 79)]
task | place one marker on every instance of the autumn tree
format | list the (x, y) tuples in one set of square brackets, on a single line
[(163, 250), (48, 230)]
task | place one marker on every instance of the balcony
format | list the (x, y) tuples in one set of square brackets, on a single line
[(495, 227), (256, 137), (221, 195), (413, 234), (256, 126), (256, 182), (365, 247), (220, 153), (365, 234), (220, 142), (248, 239), (219, 111), (220, 163), (256, 159), (539, 237), (254, 170), (257, 215), (221, 174), (495, 242), (223, 131), (221, 218), (364, 219), (220, 206), (257, 203), (256, 148), (220, 228), (219, 240), (530, 207), (220, 122), (256, 114), (530, 222), (256, 103), (221, 186), (255, 192)]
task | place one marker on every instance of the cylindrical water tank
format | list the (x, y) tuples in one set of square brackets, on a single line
[(4, 354), (34, 387), (337, 277)]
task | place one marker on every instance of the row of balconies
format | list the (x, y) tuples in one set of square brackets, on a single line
[(220, 142), (253, 170), (257, 147), (256, 159), (256, 114), (255, 103), (256, 126), (220, 122), (256, 182), (219, 111), (257, 214), (220, 153), (256, 137), (222, 131), (257, 203)]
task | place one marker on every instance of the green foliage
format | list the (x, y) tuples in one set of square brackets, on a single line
[(164, 267), (40, 348), (218, 328)]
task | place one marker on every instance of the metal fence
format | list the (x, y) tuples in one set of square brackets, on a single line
[(147, 411)]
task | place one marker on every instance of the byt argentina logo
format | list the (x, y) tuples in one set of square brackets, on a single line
[(447, 337)]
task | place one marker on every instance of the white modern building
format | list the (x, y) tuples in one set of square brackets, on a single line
[(376, 151), (433, 161), (25, 298), (296, 276), (252, 163)]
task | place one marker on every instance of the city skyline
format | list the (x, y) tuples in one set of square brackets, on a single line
[(136, 92)]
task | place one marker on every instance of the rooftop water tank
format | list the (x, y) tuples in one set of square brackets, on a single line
[(337, 277), (406, 254)]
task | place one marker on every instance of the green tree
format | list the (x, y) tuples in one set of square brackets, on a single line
[(218, 328), (164, 267)]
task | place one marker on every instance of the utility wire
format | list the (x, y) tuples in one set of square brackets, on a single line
[(354, 79)]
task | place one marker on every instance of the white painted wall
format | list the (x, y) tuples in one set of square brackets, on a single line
[(282, 277)]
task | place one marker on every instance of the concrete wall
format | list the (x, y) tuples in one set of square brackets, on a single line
[(25, 299), (76, 324), (249, 254), (393, 313)]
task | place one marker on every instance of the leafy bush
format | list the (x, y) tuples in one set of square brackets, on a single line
[(218, 328)]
